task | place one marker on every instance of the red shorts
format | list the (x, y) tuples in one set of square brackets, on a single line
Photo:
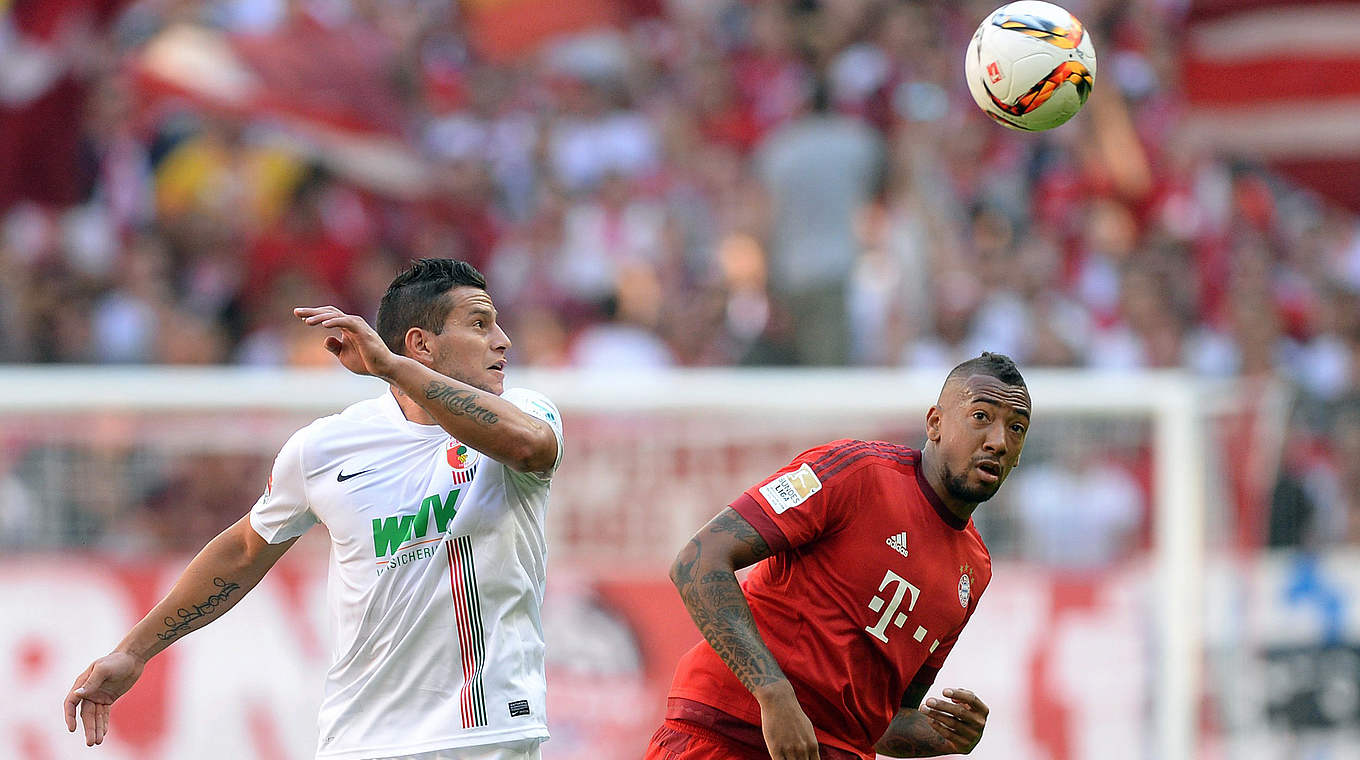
[(679, 740), (682, 740)]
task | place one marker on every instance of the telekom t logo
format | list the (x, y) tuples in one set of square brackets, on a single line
[(891, 615)]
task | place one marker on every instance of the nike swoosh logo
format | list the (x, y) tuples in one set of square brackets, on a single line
[(341, 477)]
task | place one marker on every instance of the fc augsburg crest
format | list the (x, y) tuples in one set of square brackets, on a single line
[(462, 460)]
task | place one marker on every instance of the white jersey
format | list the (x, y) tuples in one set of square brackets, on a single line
[(436, 579)]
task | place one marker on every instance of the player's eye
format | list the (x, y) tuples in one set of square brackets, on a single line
[(1018, 428), (980, 416)]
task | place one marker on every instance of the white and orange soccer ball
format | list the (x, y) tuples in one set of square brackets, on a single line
[(1030, 65)]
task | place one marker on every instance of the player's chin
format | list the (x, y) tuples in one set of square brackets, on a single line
[(493, 382), (980, 489)]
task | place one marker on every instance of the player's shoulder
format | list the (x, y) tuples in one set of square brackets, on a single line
[(522, 395), (366, 412), (332, 426), (848, 455), (534, 403)]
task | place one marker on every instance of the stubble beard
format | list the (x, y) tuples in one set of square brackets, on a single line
[(443, 367), (957, 486)]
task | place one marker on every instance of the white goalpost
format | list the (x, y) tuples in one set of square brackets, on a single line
[(650, 456)]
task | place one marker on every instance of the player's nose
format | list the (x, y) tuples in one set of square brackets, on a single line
[(500, 340), (995, 441)]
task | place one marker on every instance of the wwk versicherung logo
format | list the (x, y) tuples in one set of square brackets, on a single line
[(402, 539)]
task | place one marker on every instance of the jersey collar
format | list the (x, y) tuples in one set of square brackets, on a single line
[(950, 519), (392, 410)]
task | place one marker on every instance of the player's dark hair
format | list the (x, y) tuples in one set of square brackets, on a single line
[(998, 366), (419, 297)]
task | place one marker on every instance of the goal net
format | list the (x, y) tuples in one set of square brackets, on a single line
[(1091, 642)]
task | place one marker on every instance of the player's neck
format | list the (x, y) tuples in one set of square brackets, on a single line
[(413, 411), (933, 470)]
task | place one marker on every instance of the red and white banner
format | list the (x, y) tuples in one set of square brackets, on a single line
[(327, 89), (1279, 81), (504, 30)]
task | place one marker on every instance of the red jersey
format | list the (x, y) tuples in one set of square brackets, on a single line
[(870, 582)]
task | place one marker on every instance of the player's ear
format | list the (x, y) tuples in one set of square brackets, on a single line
[(933, 424), (418, 346)]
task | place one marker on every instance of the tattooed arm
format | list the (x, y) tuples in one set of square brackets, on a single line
[(705, 575), (480, 419), (938, 728), (484, 421), (215, 580)]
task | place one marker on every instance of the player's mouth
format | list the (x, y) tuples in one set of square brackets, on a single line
[(498, 367), (989, 470)]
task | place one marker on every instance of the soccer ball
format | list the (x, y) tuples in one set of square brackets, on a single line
[(1030, 65)]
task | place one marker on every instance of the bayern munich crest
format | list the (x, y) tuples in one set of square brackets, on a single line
[(462, 460), (964, 587)]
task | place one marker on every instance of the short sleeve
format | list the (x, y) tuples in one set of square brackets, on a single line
[(806, 499), (282, 512), (537, 405)]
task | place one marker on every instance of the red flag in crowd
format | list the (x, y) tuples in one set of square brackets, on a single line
[(1279, 81), (503, 30)]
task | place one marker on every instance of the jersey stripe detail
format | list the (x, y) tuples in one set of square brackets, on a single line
[(465, 476), (467, 611), (887, 451), (834, 455), (460, 619), (478, 634)]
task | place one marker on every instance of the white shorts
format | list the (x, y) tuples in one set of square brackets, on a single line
[(520, 749)]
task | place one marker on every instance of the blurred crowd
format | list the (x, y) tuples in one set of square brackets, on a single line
[(707, 182)]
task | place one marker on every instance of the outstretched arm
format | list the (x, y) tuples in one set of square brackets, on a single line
[(705, 575), (939, 728), (482, 420), (215, 580)]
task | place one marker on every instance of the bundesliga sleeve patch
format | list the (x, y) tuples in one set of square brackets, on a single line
[(791, 489)]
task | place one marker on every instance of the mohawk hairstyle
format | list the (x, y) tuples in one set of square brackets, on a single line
[(998, 366), (418, 297)]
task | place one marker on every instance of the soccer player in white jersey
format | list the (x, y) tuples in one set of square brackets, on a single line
[(434, 496)]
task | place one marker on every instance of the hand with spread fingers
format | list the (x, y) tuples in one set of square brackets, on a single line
[(960, 721), (358, 346)]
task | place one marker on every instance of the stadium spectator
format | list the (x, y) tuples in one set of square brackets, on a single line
[(820, 170), (383, 132)]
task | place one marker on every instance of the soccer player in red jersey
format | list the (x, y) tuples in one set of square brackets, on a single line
[(871, 568)]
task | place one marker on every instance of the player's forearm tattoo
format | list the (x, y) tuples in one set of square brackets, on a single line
[(460, 402), (184, 619), (730, 522), (719, 609), (910, 735)]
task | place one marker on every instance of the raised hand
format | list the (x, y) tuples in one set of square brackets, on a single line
[(358, 346), (95, 691), (959, 721)]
